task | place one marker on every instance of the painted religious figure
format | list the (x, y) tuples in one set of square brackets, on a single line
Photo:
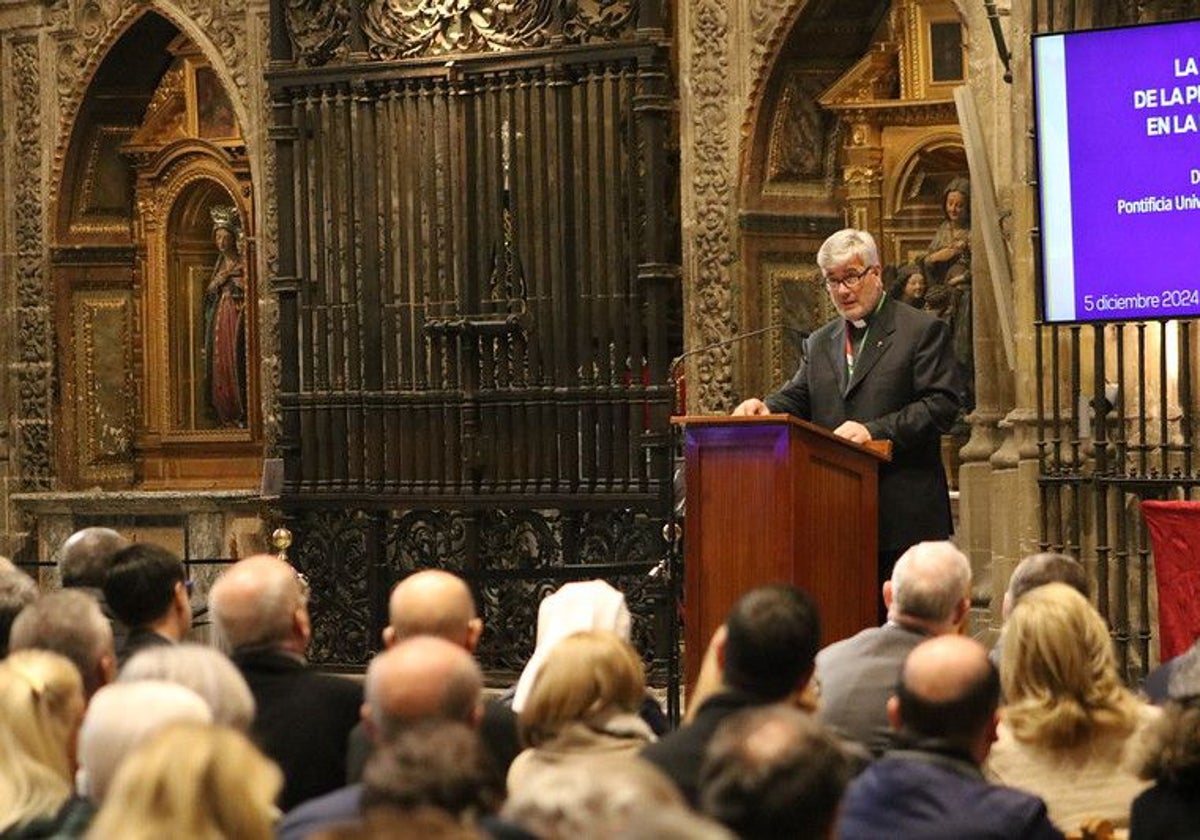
[(225, 323)]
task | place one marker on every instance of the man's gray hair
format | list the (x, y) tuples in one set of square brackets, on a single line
[(930, 580), (86, 556), (1048, 567), (844, 246), (68, 622)]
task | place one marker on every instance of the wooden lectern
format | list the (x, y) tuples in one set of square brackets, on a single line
[(774, 499)]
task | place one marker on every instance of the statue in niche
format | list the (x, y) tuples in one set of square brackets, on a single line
[(947, 271), (225, 323)]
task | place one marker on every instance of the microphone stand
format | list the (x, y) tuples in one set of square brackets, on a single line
[(669, 570)]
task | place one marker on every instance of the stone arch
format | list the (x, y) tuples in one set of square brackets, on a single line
[(84, 45)]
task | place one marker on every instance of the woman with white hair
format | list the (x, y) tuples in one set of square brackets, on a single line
[(111, 730), (204, 670)]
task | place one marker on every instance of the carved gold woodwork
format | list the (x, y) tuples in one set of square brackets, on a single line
[(100, 322), (934, 45), (189, 158), (900, 126)]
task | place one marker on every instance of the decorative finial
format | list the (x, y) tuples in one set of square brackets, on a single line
[(281, 540)]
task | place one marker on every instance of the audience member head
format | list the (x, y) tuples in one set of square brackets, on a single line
[(1038, 570), (70, 623), (1171, 754), (772, 636), (930, 587), (602, 799), (146, 587), (41, 703), (191, 780), (433, 603), (587, 678), (122, 716), (773, 771), (580, 605), (948, 693), (432, 763), (17, 591), (419, 678), (260, 602), (204, 670), (1059, 671), (86, 555)]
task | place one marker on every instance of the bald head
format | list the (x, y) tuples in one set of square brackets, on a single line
[(259, 602), (86, 556), (948, 691), (433, 603), (419, 678)]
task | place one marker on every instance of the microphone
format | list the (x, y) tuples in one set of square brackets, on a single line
[(673, 368)]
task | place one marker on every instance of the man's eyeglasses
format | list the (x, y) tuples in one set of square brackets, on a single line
[(852, 280)]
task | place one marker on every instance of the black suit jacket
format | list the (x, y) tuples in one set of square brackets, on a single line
[(681, 754), (302, 721), (905, 389)]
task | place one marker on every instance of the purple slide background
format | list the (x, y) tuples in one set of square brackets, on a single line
[(1112, 157)]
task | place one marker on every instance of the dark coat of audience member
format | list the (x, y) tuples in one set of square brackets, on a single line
[(772, 635)]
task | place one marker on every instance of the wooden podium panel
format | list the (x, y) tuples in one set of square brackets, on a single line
[(773, 499)]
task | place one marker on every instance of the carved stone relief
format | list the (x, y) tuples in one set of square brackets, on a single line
[(33, 367), (712, 196), (320, 31)]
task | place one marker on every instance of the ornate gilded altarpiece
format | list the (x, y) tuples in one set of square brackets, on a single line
[(191, 169)]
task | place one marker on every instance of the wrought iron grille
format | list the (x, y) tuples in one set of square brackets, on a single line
[(477, 279)]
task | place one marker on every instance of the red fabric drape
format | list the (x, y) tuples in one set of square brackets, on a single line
[(1175, 535)]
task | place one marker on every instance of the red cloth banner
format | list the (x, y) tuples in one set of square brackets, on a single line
[(1175, 535)]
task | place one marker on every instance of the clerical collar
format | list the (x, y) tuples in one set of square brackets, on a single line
[(862, 323)]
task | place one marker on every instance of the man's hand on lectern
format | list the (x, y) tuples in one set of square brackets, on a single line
[(853, 431), (751, 407)]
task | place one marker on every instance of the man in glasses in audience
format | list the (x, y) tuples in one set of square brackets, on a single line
[(879, 371), (147, 588)]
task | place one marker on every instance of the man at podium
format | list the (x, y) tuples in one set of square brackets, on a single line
[(882, 370)]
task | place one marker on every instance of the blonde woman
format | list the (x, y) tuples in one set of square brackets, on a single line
[(192, 780), (41, 705), (582, 707), (1069, 729)]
